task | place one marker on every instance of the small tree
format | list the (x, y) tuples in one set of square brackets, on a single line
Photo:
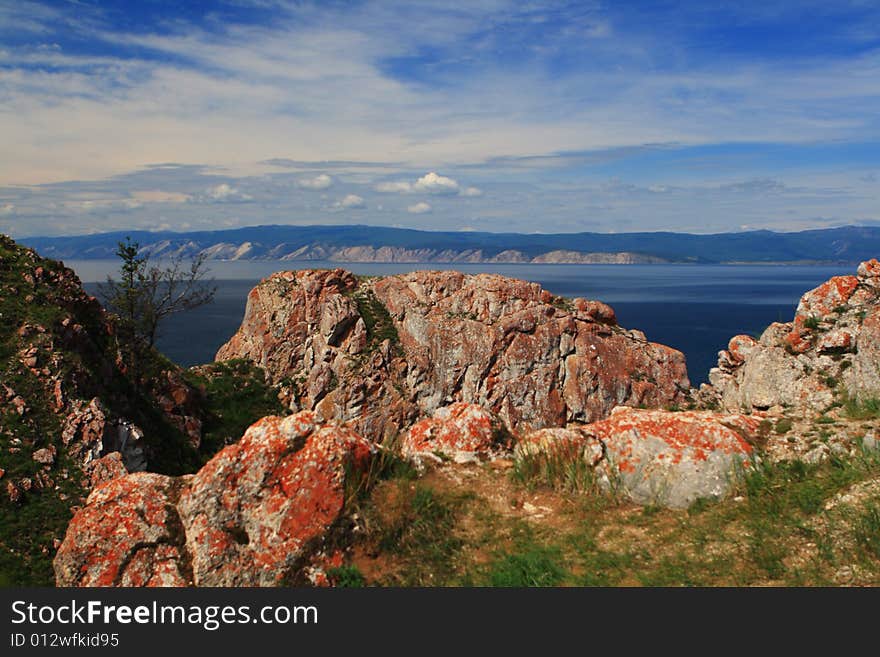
[(146, 294)]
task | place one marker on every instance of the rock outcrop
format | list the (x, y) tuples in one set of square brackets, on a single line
[(252, 516), (461, 432), (385, 352), (831, 346), (673, 459)]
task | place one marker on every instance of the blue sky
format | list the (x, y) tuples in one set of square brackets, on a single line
[(488, 115)]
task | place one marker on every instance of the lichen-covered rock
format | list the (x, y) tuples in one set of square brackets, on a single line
[(181, 404), (832, 345), (252, 516), (672, 459), (862, 380), (461, 432), (107, 468), (261, 505), (384, 352), (45, 455), (128, 534)]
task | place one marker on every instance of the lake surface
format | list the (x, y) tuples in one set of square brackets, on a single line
[(694, 308)]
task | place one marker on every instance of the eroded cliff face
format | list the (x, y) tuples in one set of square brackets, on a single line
[(830, 349), (385, 352)]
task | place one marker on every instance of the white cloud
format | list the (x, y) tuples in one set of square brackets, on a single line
[(419, 208), (472, 191), (321, 181), (436, 184), (351, 201), (430, 183), (225, 192), (221, 191)]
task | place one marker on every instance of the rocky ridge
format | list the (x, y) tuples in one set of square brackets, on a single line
[(383, 353), (830, 350), (447, 369)]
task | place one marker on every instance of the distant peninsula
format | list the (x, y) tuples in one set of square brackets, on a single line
[(359, 243)]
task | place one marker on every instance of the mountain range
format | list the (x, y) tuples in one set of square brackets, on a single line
[(359, 243)]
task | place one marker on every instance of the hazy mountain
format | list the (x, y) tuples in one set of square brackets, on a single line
[(381, 244)]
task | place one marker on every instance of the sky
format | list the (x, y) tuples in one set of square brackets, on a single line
[(491, 115)]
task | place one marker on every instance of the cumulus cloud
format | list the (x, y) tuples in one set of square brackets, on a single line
[(430, 183), (436, 184), (419, 208), (351, 201), (321, 181), (472, 191), (225, 192)]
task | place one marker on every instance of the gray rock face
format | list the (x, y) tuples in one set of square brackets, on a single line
[(831, 346), (673, 459)]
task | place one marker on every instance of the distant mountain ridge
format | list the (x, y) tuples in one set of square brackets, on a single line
[(358, 243)]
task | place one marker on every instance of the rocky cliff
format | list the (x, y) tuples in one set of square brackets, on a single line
[(828, 353), (384, 352), (67, 401)]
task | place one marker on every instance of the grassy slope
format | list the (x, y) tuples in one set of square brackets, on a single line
[(788, 524)]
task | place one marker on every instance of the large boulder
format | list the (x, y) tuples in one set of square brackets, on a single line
[(673, 459), (832, 345), (259, 507), (127, 534), (461, 432), (385, 352), (252, 516)]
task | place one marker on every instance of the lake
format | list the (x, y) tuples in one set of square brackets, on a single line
[(694, 308)]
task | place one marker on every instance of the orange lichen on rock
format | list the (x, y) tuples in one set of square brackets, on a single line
[(461, 432), (251, 516), (673, 458)]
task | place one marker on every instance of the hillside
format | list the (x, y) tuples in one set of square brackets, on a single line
[(73, 415), (382, 244)]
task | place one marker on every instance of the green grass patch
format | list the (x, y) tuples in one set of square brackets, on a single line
[(536, 565), (236, 395)]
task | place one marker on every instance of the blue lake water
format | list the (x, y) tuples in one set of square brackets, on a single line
[(694, 308)]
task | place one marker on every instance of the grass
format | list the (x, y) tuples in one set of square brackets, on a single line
[(377, 320), (783, 425), (775, 529), (867, 530), (236, 394), (563, 468), (812, 322), (417, 530), (534, 565), (861, 409), (347, 577)]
